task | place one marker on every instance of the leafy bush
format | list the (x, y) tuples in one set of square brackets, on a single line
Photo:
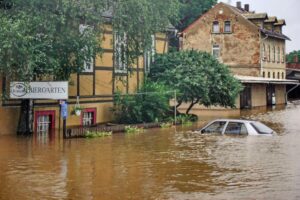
[(151, 104), (166, 125), (95, 134), (133, 129)]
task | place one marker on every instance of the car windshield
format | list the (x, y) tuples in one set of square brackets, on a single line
[(261, 128)]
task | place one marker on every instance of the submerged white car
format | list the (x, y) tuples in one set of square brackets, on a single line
[(236, 127)]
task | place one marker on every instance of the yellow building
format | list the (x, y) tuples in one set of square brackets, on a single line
[(93, 89), (251, 44)]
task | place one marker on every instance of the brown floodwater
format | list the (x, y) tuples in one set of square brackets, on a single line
[(158, 163)]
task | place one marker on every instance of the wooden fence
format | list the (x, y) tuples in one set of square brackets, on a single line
[(80, 131)]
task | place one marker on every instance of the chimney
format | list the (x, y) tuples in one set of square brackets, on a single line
[(239, 5), (247, 7)]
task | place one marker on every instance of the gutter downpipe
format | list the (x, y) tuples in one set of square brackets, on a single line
[(261, 60), (286, 96)]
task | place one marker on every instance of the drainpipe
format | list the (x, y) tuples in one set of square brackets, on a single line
[(286, 96), (261, 60)]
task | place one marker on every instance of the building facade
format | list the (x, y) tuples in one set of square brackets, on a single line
[(251, 44), (93, 89)]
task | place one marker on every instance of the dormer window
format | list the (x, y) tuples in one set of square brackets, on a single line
[(216, 27), (227, 27)]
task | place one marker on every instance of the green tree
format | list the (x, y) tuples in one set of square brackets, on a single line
[(151, 103), (190, 10), (41, 39), (199, 78), (290, 58)]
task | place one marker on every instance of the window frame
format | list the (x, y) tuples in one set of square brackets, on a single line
[(150, 55), (214, 24), (89, 110), (226, 25), (82, 28), (120, 66), (274, 54), (283, 55), (38, 114), (218, 48)]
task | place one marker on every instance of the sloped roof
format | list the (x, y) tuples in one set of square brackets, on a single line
[(255, 79), (256, 15), (280, 22), (274, 34), (271, 20)]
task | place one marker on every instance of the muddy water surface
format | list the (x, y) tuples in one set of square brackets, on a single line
[(159, 163)]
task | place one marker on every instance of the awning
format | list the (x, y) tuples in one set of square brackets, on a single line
[(254, 79)]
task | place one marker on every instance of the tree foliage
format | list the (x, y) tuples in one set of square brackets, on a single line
[(149, 105), (42, 38), (198, 76), (290, 58), (190, 10)]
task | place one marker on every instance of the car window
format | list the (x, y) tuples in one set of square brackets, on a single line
[(236, 128), (216, 127), (261, 128)]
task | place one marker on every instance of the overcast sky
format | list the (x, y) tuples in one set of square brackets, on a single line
[(282, 9)]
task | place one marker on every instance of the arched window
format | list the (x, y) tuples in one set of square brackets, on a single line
[(216, 27), (269, 74), (264, 74), (273, 74), (278, 75), (282, 75)]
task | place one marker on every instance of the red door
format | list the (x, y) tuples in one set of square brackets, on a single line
[(44, 121)]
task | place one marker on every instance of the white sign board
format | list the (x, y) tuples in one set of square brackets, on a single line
[(39, 90)]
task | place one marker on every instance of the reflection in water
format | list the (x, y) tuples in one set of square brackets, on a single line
[(158, 164)]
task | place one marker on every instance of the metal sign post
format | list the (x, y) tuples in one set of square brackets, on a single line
[(64, 114)]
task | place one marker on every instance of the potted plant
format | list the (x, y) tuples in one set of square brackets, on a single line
[(77, 110)]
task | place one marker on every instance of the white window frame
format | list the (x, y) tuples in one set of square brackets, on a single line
[(88, 66), (278, 54), (149, 55), (216, 47), (274, 54), (215, 26), (120, 43), (283, 55), (226, 25)]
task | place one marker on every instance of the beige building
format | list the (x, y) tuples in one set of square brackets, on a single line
[(251, 44), (93, 89)]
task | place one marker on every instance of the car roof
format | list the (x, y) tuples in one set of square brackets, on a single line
[(234, 120)]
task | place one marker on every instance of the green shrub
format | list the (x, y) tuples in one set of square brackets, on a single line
[(152, 104), (166, 125), (133, 129), (95, 134)]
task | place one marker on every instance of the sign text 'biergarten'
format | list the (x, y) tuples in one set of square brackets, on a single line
[(39, 90)]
